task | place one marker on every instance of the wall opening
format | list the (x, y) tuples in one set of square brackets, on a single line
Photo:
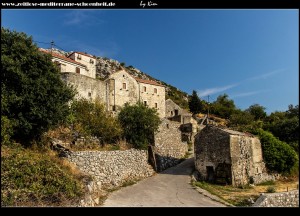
[(210, 174), (78, 70), (176, 112)]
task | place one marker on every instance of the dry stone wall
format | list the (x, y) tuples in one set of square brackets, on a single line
[(169, 148), (284, 199), (111, 169)]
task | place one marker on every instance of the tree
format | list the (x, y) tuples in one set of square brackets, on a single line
[(195, 104), (257, 111), (91, 119), (139, 124), (223, 106), (35, 98), (241, 120)]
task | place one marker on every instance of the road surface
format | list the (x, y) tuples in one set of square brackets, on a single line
[(170, 188)]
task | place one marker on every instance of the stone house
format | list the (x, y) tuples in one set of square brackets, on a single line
[(79, 70), (86, 59), (229, 157), (66, 64), (124, 88)]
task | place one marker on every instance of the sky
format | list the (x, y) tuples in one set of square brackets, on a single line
[(250, 55)]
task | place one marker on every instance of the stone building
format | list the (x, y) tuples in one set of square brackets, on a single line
[(227, 156), (86, 59), (124, 88), (66, 64), (79, 70)]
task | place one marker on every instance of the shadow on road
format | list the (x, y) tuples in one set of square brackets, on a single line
[(184, 168)]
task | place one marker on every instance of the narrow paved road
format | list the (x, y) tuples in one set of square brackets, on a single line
[(169, 188)]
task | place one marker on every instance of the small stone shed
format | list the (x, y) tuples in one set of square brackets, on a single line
[(229, 157)]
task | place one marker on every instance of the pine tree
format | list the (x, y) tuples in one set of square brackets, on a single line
[(195, 104)]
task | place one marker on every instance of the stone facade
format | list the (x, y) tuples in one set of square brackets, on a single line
[(284, 199), (152, 94), (66, 64), (111, 169), (168, 147), (86, 87), (123, 88), (231, 157), (86, 59)]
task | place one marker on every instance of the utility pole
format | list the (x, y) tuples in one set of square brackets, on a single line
[(208, 109), (52, 44)]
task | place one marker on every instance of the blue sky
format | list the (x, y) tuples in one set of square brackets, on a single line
[(251, 55)]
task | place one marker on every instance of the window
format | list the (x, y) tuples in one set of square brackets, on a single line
[(91, 61), (145, 103), (78, 70), (145, 89), (124, 85), (155, 105), (155, 90), (90, 94), (79, 56)]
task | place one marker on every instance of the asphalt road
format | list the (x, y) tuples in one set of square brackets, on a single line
[(170, 188)]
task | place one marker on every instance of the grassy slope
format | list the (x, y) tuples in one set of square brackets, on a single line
[(32, 178)]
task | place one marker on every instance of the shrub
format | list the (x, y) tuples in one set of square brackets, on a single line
[(271, 189), (278, 155), (139, 124), (91, 119)]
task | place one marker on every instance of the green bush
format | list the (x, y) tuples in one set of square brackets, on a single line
[(90, 118), (271, 189), (34, 96), (278, 155), (36, 179), (139, 124)]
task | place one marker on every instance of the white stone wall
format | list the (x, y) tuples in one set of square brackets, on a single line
[(111, 169), (153, 98), (283, 199)]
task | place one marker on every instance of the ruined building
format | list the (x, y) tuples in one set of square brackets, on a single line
[(229, 157)]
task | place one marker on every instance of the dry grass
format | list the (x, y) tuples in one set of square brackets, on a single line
[(241, 196)]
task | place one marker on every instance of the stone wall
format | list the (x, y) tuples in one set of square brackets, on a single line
[(86, 87), (111, 169), (169, 148), (284, 199)]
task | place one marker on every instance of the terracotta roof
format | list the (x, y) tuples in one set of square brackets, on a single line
[(81, 53), (61, 57), (151, 82)]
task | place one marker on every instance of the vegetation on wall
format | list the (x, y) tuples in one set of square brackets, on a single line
[(139, 123)]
